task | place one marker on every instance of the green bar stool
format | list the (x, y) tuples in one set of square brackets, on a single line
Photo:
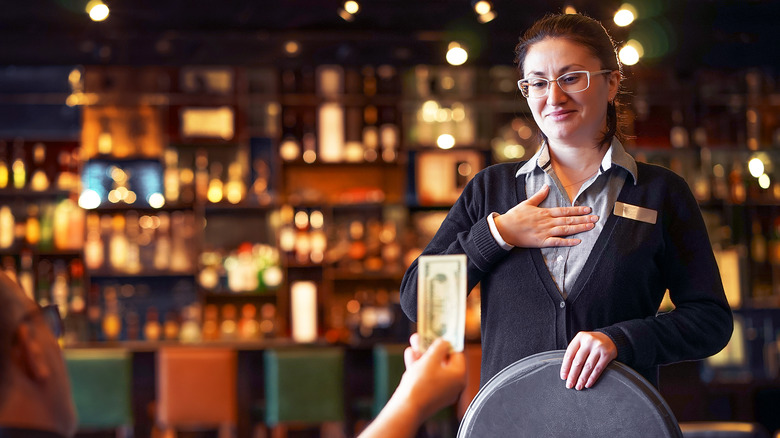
[(101, 383), (304, 387), (388, 369)]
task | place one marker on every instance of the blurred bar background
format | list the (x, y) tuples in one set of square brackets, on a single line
[(256, 177)]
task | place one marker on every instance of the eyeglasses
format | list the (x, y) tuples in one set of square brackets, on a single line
[(571, 82), (50, 314)]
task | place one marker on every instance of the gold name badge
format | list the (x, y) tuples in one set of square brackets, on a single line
[(635, 212)]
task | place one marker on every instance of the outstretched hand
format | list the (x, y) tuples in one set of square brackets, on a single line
[(529, 226)]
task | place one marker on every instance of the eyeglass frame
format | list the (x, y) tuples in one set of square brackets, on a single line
[(51, 316), (550, 81)]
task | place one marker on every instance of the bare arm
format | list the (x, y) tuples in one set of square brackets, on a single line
[(432, 381)]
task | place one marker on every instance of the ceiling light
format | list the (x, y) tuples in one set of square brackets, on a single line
[(484, 10), (456, 54), (352, 7), (348, 11), (625, 15), (97, 10), (631, 52)]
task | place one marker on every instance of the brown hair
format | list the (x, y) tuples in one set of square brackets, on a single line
[(589, 33)]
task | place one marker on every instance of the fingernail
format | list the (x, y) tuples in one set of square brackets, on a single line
[(587, 210), (594, 218), (569, 385), (563, 376)]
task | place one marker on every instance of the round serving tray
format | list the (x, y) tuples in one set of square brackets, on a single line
[(529, 399)]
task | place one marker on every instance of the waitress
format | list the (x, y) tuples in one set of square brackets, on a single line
[(575, 248)]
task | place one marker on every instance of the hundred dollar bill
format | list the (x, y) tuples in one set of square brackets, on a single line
[(441, 299)]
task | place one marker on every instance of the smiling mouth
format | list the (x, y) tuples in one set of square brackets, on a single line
[(560, 114)]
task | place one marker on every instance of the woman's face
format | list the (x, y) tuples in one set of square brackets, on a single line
[(577, 118)]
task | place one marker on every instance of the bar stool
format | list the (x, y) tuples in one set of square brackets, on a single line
[(304, 387), (722, 429), (388, 369), (101, 384), (196, 389)]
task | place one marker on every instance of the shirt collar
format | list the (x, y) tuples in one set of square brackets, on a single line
[(616, 155)]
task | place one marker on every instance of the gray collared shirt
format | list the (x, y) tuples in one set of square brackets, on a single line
[(599, 193)]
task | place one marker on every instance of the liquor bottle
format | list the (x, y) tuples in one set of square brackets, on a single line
[(43, 282), (737, 189), (132, 325), (60, 289), (309, 137), (32, 234), (162, 252), (228, 328), (46, 242), (268, 320), (330, 123), (93, 246), (77, 301), (201, 174), (67, 179), (357, 247), (118, 244), (317, 237), (370, 133), (369, 81), (152, 328), (190, 328), (19, 167), (171, 326), (39, 181), (248, 327), (388, 134), (290, 147), (133, 258), (3, 165), (7, 226), (180, 252), (68, 225), (112, 321), (758, 243), (26, 279), (215, 188), (235, 188), (171, 176), (353, 132)]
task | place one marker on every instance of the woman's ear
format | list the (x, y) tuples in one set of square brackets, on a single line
[(31, 354), (613, 81)]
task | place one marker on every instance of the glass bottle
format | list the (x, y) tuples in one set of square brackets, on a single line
[(7, 226), (19, 167), (39, 181), (162, 253), (32, 233), (152, 329), (118, 244), (3, 165), (26, 279), (171, 176), (93, 246)]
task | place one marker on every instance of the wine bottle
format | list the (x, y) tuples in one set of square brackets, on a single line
[(3, 165)]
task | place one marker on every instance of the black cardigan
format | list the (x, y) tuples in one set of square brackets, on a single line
[(618, 291)]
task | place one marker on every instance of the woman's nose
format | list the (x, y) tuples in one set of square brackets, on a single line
[(555, 95)]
